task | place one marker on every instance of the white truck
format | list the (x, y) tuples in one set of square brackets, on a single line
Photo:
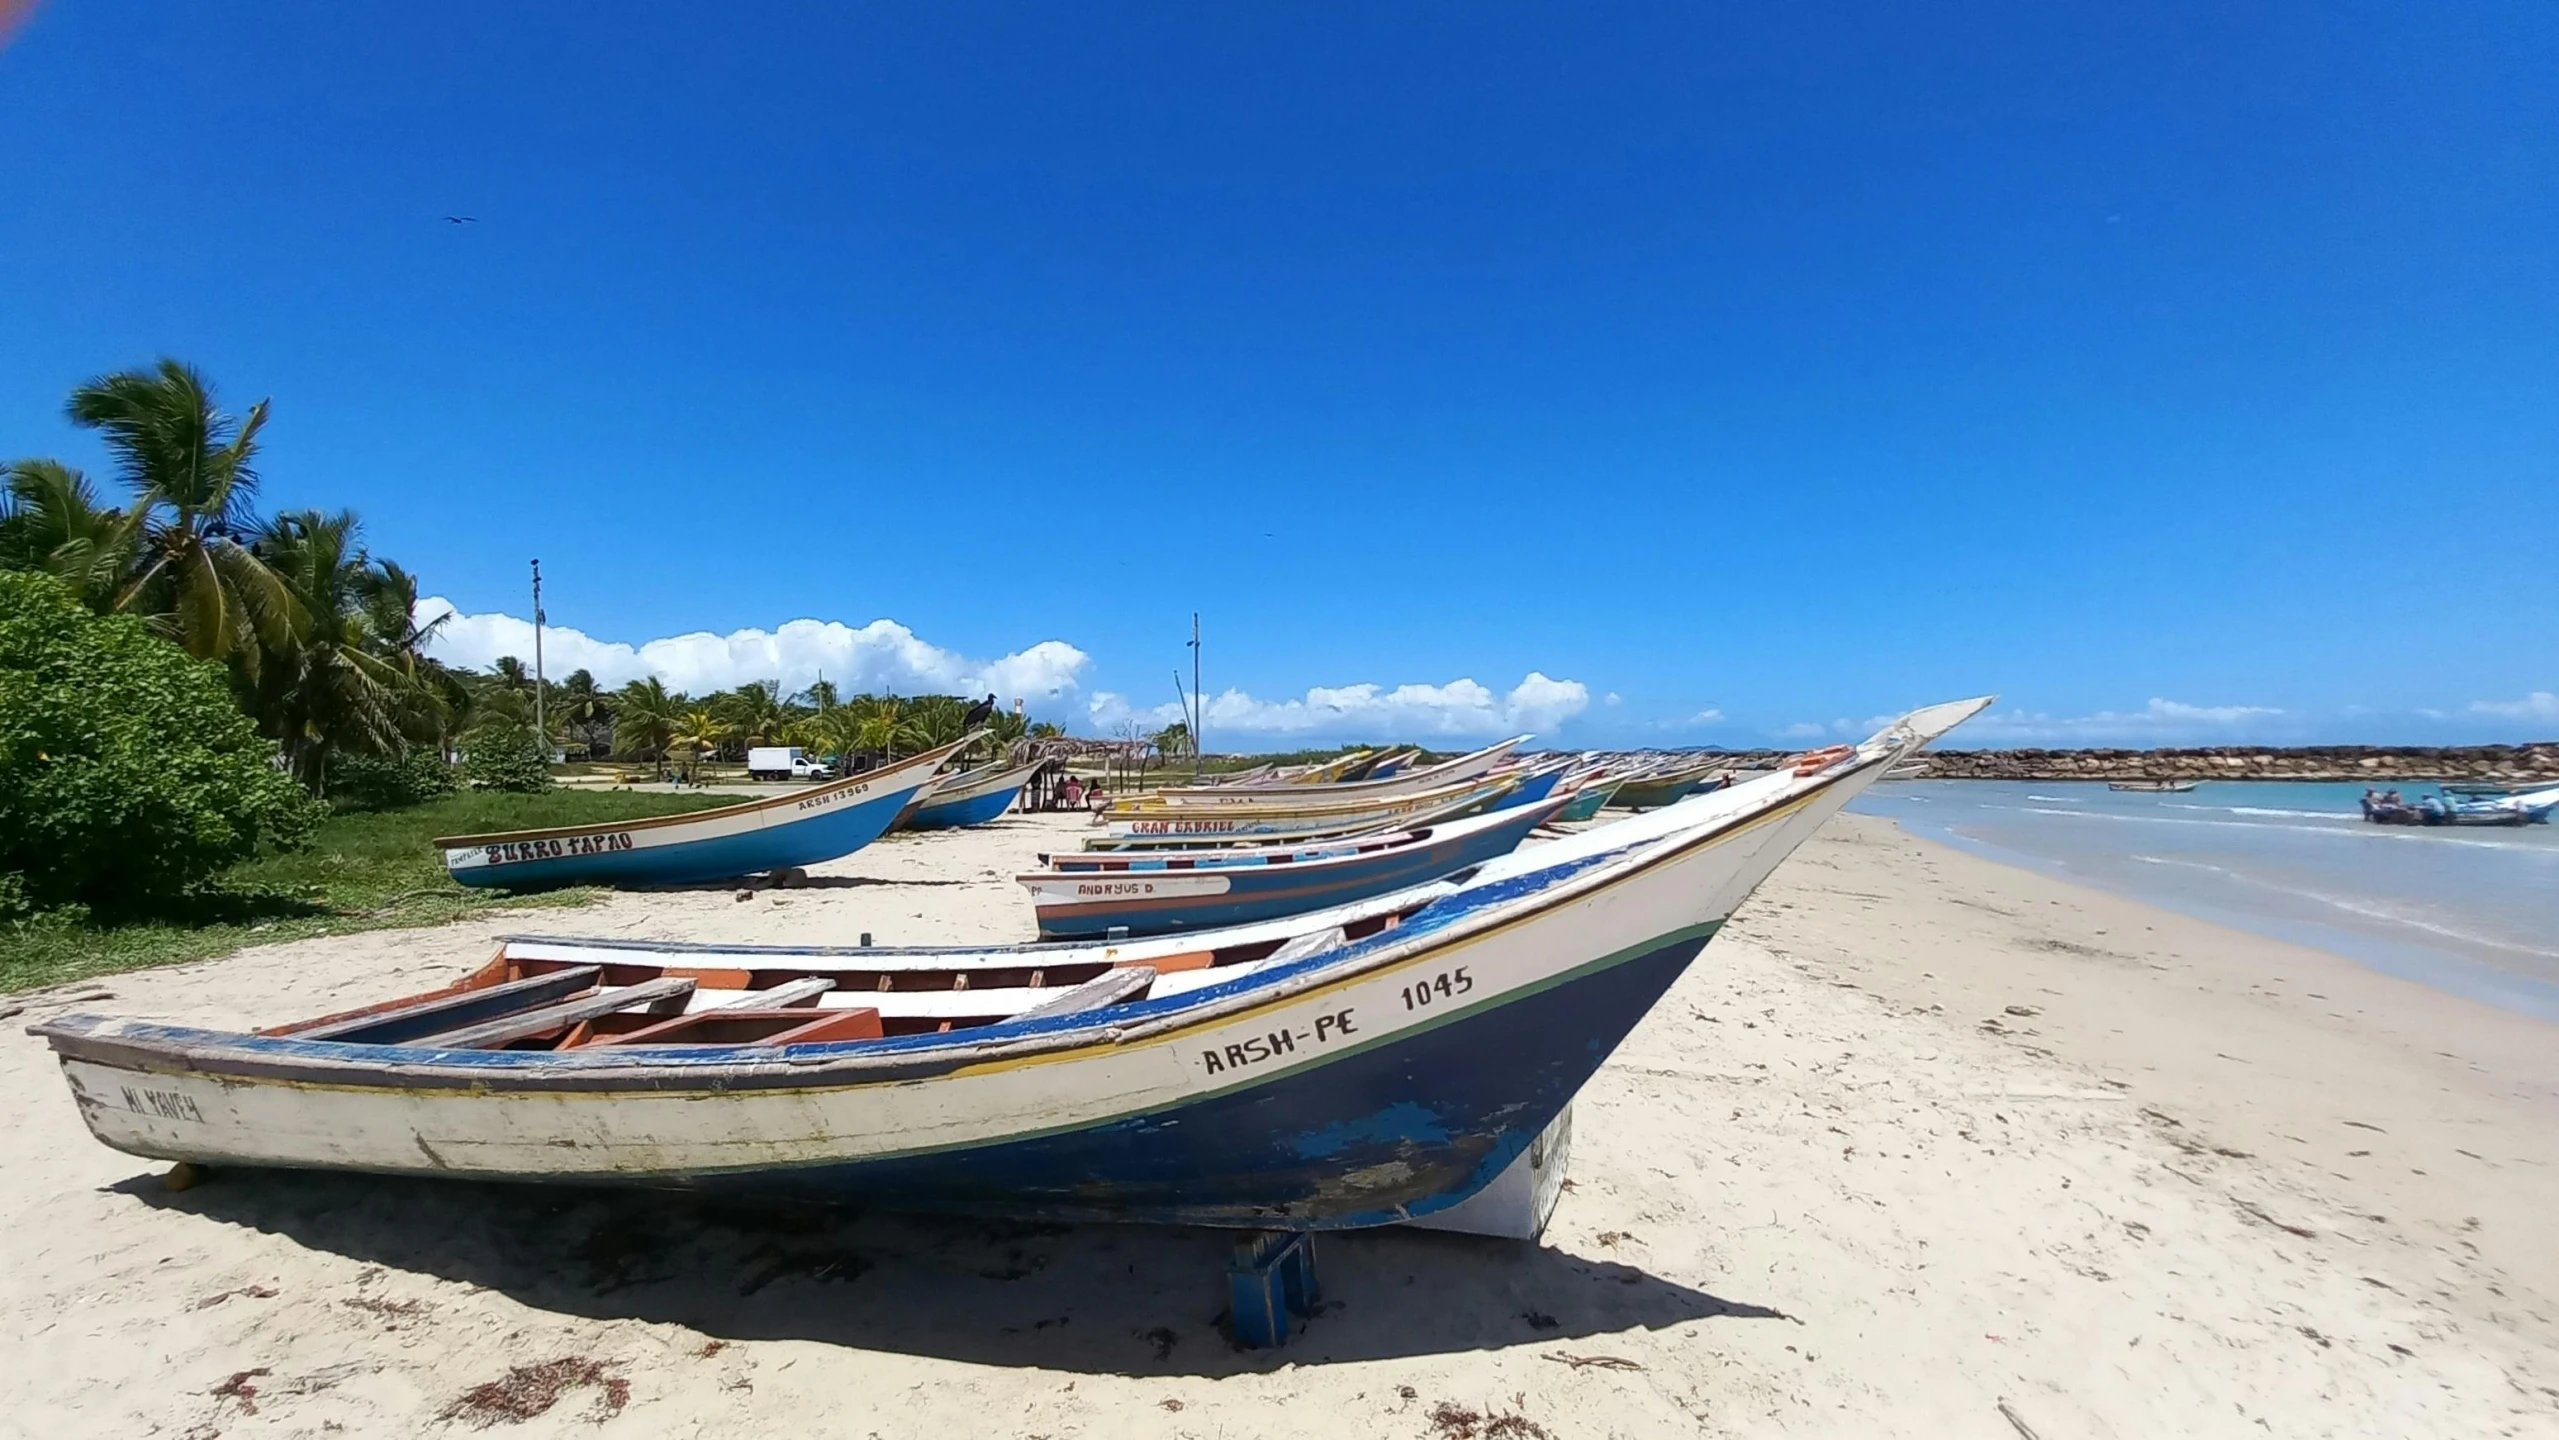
[(784, 762)]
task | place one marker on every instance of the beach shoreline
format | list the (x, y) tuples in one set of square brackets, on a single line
[(1835, 1184)]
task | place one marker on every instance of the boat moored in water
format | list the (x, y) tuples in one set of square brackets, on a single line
[(1361, 1066)]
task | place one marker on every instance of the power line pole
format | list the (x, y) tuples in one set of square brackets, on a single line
[(1199, 701), (541, 736)]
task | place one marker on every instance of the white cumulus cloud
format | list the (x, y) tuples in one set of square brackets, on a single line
[(1805, 730), (882, 657), (2539, 705), (1458, 709)]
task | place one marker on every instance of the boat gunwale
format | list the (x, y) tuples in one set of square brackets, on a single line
[(1373, 843), (688, 817)]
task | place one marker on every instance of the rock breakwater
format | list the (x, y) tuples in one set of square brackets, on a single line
[(2494, 763)]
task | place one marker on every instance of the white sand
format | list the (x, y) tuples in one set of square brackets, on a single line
[(1805, 1201)]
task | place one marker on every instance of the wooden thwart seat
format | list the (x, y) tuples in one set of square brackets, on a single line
[(525, 1024), (1109, 988), (404, 1022), (780, 997), (732, 1025)]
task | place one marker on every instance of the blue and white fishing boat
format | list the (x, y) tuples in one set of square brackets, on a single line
[(1536, 782), (2535, 806), (1360, 1066), (1159, 892), (972, 797), (783, 832)]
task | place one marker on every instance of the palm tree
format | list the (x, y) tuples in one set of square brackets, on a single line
[(754, 711), (190, 469), (820, 697), (435, 692), (585, 709), (50, 520), (1046, 730), (1173, 741), (645, 717), (326, 689), (698, 733), (880, 725), (938, 719), (510, 672)]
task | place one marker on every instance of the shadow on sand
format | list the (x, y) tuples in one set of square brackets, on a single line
[(1094, 1298)]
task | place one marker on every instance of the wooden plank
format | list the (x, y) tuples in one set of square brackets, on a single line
[(838, 1025), (1109, 988), (751, 1027), (554, 1017), (445, 1011), (780, 997)]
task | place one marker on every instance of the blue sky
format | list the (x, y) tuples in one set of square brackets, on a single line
[(1664, 373)]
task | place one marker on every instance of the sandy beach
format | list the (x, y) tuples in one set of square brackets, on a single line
[(1922, 1145)]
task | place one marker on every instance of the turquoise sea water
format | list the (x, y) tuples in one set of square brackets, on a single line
[(2472, 911)]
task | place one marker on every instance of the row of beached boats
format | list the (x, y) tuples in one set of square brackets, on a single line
[(1242, 848), (1283, 1060)]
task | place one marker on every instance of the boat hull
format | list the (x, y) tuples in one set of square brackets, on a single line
[(972, 804), (1379, 1136), (821, 824), (1157, 901), (976, 810), (1586, 804)]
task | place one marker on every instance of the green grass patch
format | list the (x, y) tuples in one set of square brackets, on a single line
[(367, 871)]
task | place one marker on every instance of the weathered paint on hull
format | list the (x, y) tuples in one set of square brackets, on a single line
[(1404, 1129)]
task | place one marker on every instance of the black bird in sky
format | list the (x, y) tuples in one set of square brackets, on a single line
[(461, 219), (978, 714)]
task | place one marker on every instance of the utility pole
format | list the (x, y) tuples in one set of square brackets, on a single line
[(1199, 700), (541, 736)]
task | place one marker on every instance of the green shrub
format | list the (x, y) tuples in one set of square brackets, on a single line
[(389, 782), (128, 774), (501, 755)]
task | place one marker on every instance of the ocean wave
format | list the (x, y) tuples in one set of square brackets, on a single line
[(2060, 799)]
